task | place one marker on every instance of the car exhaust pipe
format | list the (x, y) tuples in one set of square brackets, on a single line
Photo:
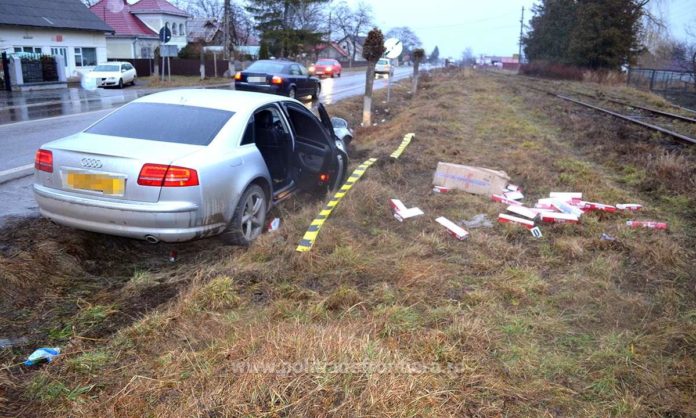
[(151, 239)]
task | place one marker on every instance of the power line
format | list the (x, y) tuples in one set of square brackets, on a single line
[(487, 19)]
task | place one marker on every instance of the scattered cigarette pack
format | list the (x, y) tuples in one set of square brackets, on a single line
[(558, 218), (565, 196), (632, 207), (453, 229), (564, 207), (523, 211), (504, 218), (440, 189), (503, 199), (401, 212), (592, 206), (647, 224), (516, 195)]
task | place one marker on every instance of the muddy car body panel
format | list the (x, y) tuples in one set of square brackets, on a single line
[(173, 166)]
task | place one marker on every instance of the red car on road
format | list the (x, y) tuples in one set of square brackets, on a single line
[(326, 68)]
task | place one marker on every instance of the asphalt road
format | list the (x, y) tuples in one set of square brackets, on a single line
[(20, 140)]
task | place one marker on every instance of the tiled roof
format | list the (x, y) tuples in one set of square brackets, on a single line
[(122, 21), (335, 46), (157, 6), (202, 29), (63, 14)]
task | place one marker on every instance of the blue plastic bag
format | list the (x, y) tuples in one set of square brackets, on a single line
[(44, 354)]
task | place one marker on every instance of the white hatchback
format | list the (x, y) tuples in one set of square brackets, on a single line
[(114, 74)]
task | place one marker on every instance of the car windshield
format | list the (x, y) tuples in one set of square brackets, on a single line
[(164, 122), (106, 68), (266, 67), (383, 62), (325, 62)]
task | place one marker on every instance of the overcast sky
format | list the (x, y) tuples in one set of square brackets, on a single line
[(490, 26)]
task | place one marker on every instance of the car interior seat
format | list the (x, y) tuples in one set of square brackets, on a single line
[(269, 141)]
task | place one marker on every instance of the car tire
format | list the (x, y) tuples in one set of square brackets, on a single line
[(292, 93), (317, 92), (249, 217), (120, 83)]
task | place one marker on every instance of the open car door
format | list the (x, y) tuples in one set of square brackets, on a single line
[(314, 161)]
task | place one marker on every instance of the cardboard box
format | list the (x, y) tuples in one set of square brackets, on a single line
[(476, 180)]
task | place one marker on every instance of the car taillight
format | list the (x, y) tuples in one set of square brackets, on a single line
[(323, 178), (161, 175), (44, 160), (277, 80), (238, 76)]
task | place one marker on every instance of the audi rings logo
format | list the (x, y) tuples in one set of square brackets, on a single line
[(91, 163)]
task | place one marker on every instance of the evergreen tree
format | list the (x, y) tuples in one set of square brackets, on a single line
[(435, 55), (596, 34), (283, 25)]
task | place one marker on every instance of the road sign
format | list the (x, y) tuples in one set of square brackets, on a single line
[(169, 50), (165, 35), (393, 47)]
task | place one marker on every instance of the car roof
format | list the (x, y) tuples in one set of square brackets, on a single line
[(230, 100), (113, 63)]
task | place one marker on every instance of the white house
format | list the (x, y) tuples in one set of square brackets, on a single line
[(137, 25), (353, 45), (54, 27)]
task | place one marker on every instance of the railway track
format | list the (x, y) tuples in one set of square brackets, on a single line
[(634, 119)]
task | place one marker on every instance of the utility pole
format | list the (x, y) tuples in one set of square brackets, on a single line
[(226, 31), (519, 54)]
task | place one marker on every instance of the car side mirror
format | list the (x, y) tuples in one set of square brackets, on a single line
[(123, 70)]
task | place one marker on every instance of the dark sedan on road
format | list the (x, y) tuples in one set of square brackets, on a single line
[(283, 77)]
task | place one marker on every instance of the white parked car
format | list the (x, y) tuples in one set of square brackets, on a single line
[(384, 67), (113, 74)]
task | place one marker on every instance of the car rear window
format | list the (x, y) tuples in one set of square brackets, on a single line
[(106, 68), (266, 67), (164, 122)]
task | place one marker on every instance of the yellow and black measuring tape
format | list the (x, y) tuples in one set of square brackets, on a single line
[(402, 147), (311, 235)]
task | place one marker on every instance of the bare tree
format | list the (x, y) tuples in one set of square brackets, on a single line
[(351, 23)]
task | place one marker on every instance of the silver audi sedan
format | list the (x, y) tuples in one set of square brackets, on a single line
[(186, 164)]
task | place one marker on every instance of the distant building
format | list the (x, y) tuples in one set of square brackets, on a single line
[(333, 51), (506, 63), (137, 26), (207, 34), (353, 43), (54, 27)]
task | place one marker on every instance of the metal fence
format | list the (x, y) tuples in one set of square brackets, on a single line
[(661, 80), (180, 66)]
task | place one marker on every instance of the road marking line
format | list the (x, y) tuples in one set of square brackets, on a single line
[(311, 235)]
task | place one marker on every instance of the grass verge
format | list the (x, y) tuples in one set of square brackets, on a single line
[(385, 318)]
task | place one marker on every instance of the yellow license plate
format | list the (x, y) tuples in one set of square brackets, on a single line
[(97, 182)]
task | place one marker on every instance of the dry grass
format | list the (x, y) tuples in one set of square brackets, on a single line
[(422, 325)]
